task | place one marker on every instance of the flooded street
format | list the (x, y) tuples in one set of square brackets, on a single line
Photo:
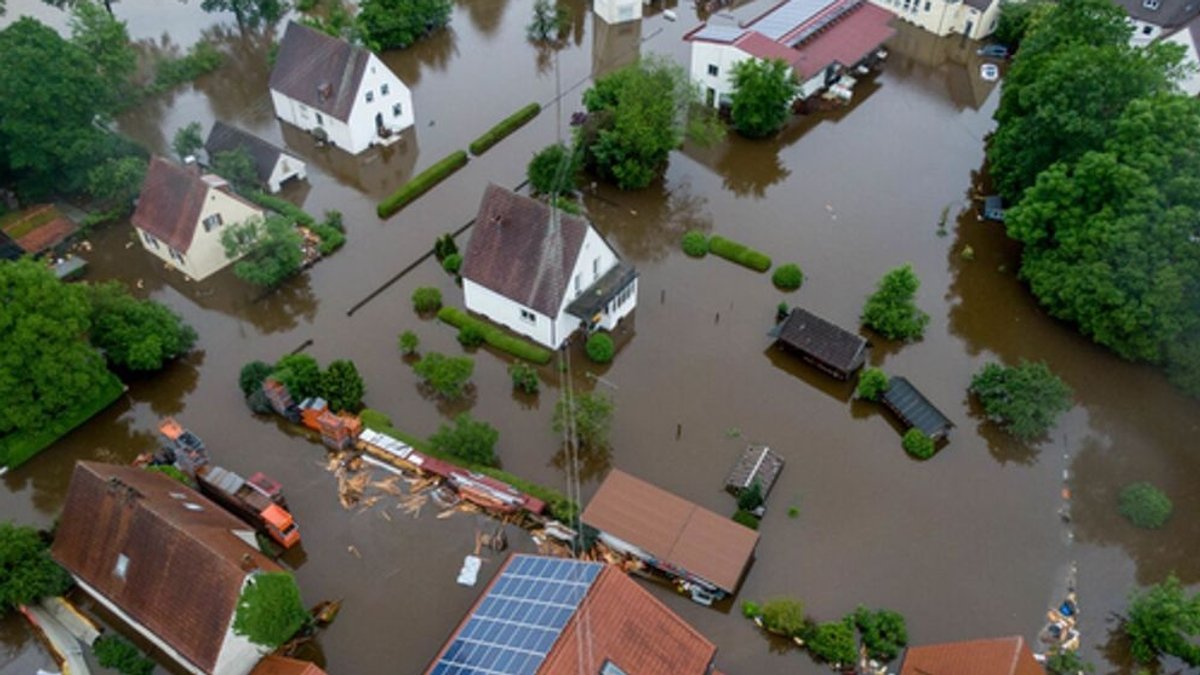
[(968, 544)]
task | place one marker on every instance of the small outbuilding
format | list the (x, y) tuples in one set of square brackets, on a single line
[(758, 463), (914, 410), (272, 165), (995, 656), (34, 231), (993, 208), (830, 348)]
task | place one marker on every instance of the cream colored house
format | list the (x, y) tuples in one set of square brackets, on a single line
[(975, 19), (181, 214)]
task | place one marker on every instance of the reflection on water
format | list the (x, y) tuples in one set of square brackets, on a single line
[(647, 224), (375, 172)]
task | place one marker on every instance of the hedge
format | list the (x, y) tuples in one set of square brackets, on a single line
[(504, 128), (422, 182), (496, 336), (559, 506), (18, 448), (282, 206), (739, 253)]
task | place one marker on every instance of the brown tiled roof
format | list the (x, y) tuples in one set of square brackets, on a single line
[(38, 228), (672, 529), (514, 252), (223, 138), (852, 38), (281, 665), (997, 656), (319, 70), (170, 204), (628, 626), (185, 568), (810, 334)]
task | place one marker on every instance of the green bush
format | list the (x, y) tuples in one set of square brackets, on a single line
[(114, 651), (18, 448), (917, 444), (1145, 505), (784, 616), (470, 335), (1024, 400), (469, 440), (426, 300), (872, 383), (283, 207), (171, 71), (745, 518), (554, 169), (788, 277), (331, 238), (1062, 661), (524, 377), (505, 127), (269, 611), (251, 378), (497, 337), (27, 572), (333, 218), (421, 182), (892, 310), (739, 253), (444, 246), (408, 342), (884, 632), (834, 643), (446, 375), (599, 348), (751, 498), (695, 244), (751, 609), (452, 263)]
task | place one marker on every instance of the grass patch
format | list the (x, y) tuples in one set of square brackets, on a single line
[(739, 253), (16, 449), (504, 128), (21, 223), (743, 517), (421, 183), (558, 505), (496, 336), (283, 207)]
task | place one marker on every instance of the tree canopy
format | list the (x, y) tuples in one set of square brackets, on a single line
[(249, 13), (135, 334), (342, 386), (591, 414), (269, 612), (26, 571), (1164, 620), (1025, 400), (555, 169), (469, 439), (446, 375), (270, 250), (397, 24), (237, 167), (762, 92), (891, 310), (106, 41), (300, 373)]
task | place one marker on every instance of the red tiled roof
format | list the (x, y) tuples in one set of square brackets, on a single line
[(184, 573), (848, 41), (672, 529), (997, 656), (627, 625), (170, 203), (281, 665), (51, 228), (760, 46)]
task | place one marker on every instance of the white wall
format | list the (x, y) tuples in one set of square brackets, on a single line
[(1190, 84), (286, 167), (724, 57), (205, 255), (307, 118), (1144, 33), (617, 11), (238, 655), (943, 18), (505, 312), (362, 115)]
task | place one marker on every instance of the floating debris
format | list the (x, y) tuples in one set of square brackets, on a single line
[(469, 573)]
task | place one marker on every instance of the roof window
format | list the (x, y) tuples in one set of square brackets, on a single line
[(1150, 4), (190, 506)]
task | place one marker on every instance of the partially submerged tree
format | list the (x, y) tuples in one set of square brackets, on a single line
[(555, 169), (251, 377), (27, 573), (269, 611), (1164, 621), (187, 141), (271, 250), (301, 374), (469, 439), (1025, 400), (447, 376), (116, 182), (550, 22), (834, 643), (135, 334), (588, 415), (872, 384), (784, 616), (762, 94), (891, 310), (884, 632), (249, 13), (397, 24), (342, 386), (237, 167)]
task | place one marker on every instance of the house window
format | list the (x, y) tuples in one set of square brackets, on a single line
[(1150, 4), (595, 269), (383, 89), (150, 239), (610, 668), (177, 256), (397, 110), (320, 120), (712, 70), (370, 96), (122, 565), (211, 222), (927, 6), (1147, 29), (528, 316), (576, 284)]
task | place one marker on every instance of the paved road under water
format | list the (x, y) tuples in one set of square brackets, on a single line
[(968, 544)]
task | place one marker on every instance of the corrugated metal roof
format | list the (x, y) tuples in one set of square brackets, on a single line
[(224, 479), (916, 410), (718, 33)]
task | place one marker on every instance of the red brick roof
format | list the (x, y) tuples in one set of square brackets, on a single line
[(170, 203), (38, 228), (996, 656), (281, 665), (185, 567), (623, 623)]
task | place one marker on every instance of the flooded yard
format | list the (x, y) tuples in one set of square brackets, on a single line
[(968, 544)]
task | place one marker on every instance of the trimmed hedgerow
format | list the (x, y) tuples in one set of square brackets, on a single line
[(505, 127), (496, 337), (422, 182), (599, 348), (739, 253), (695, 244), (788, 277), (282, 207), (470, 335)]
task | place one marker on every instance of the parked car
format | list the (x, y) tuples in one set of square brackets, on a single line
[(989, 72), (993, 51)]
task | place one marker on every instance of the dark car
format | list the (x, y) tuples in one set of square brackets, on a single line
[(993, 51)]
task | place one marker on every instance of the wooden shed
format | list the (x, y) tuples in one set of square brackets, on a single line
[(830, 348), (914, 410), (757, 463)]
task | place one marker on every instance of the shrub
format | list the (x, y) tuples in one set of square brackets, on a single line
[(452, 263), (784, 616), (448, 376), (793, 512), (1065, 662), (497, 337), (884, 632), (251, 378), (592, 416), (739, 253), (468, 439), (751, 498), (27, 573), (331, 238), (408, 342), (834, 643), (505, 127), (301, 374), (917, 444), (114, 651), (695, 244), (285, 208), (333, 218), (444, 246), (171, 472), (1025, 400), (470, 335), (1145, 505), (342, 386), (269, 611), (564, 203), (173, 71), (421, 183), (599, 348), (751, 609), (554, 169), (745, 518), (524, 377), (891, 310), (426, 300), (788, 277), (872, 384)]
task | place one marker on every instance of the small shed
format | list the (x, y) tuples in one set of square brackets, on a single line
[(757, 463), (830, 348), (914, 410), (272, 165), (37, 229), (993, 208)]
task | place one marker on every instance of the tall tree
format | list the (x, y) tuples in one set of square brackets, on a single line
[(270, 250), (550, 22), (249, 13), (136, 334), (469, 439), (27, 573), (762, 92), (116, 182), (269, 611), (237, 167), (1164, 620), (106, 41), (342, 386), (187, 141), (397, 24), (892, 309)]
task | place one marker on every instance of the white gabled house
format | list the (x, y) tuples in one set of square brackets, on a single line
[(1189, 38), (1152, 19), (181, 214), (541, 272), (341, 93), (273, 166)]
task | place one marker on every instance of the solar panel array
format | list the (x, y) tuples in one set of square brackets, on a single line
[(516, 624), (785, 18)]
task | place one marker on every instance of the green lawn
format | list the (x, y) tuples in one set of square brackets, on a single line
[(17, 449)]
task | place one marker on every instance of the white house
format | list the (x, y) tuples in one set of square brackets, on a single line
[(181, 213), (975, 19), (165, 560), (340, 93), (820, 39), (541, 272), (1189, 38), (272, 165), (1152, 19)]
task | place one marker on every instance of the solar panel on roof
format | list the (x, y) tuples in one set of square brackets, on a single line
[(787, 17), (520, 618)]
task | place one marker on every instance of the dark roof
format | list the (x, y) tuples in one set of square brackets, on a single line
[(810, 334), (1169, 14), (593, 299), (170, 203), (757, 463), (185, 566), (37, 228), (515, 252), (9, 249), (914, 409), (981, 5), (224, 138), (319, 70), (997, 656), (672, 529)]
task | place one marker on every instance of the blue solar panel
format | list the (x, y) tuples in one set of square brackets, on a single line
[(516, 624)]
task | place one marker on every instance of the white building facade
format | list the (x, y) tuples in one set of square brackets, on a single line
[(975, 19)]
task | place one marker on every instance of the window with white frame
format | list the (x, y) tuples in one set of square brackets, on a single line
[(1150, 4), (370, 96), (383, 89), (177, 256), (211, 222), (397, 110), (150, 239), (528, 316)]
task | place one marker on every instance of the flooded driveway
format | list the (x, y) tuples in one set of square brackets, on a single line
[(968, 544)]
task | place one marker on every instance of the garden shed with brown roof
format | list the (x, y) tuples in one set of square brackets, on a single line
[(996, 656), (830, 348)]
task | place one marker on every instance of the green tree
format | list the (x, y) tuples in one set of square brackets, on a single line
[(588, 415), (599, 348), (116, 182), (397, 24), (762, 94), (884, 632), (1016, 19), (237, 167), (270, 250), (784, 616), (135, 334), (872, 383), (1145, 505), (1163, 620), (187, 141), (751, 498), (555, 169), (106, 41), (408, 342), (550, 22), (269, 611), (301, 374), (46, 365), (342, 386), (1024, 400), (524, 377), (26, 571), (916, 443), (447, 376), (114, 651), (636, 116), (426, 299), (251, 377), (249, 13), (891, 310), (834, 642), (1065, 662), (469, 439)]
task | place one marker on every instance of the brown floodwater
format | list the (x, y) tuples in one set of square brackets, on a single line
[(967, 544)]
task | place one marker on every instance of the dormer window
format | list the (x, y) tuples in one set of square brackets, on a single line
[(1150, 4), (383, 89), (370, 96), (122, 565)]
